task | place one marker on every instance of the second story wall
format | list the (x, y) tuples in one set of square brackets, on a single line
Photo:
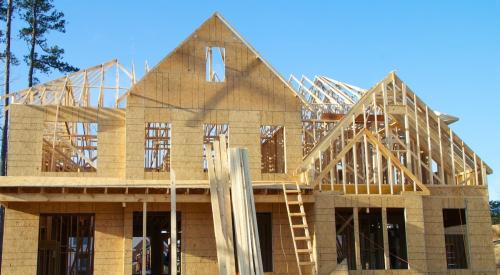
[(31, 135), (177, 91)]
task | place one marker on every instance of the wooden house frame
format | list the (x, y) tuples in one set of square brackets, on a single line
[(342, 149)]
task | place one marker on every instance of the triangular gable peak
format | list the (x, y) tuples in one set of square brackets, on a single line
[(249, 81), (391, 118)]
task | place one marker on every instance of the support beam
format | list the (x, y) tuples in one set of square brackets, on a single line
[(173, 224), (387, 258), (144, 236), (356, 238)]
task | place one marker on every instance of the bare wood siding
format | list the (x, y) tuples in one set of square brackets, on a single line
[(176, 91), (26, 132)]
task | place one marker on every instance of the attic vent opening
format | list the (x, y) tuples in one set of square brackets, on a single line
[(215, 64)]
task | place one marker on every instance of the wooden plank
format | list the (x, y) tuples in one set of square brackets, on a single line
[(340, 155), (429, 146), (385, 237), (355, 156), (396, 162), (144, 241), (367, 168), (173, 224)]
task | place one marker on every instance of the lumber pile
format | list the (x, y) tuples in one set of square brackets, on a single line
[(245, 220), (218, 174), (229, 177)]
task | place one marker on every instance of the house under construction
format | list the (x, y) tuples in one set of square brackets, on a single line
[(342, 179)]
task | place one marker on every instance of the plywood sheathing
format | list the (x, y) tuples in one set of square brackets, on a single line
[(198, 251), (176, 91), (21, 235), (26, 132)]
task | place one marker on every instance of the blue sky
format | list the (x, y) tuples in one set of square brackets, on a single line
[(448, 52)]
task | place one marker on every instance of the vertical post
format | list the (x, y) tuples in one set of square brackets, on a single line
[(394, 91), (407, 132), (463, 162), (379, 170), (367, 168), (357, 248), (210, 66), (476, 178), (452, 152), (375, 114), (355, 155), (320, 169), (390, 174), (144, 219), (344, 167), (441, 169), (117, 87), (429, 145), (419, 160), (101, 88), (334, 169), (385, 239), (387, 137), (483, 174), (173, 224)]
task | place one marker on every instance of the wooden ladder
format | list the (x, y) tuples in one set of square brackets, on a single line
[(298, 225)]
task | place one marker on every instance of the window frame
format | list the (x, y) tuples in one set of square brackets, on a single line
[(279, 165), (166, 149), (212, 66)]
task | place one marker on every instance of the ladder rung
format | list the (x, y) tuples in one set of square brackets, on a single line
[(307, 250), (294, 202), (302, 238), (299, 226), (292, 191), (306, 263), (297, 214)]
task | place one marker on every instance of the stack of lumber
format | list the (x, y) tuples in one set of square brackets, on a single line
[(231, 190), (218, 174), (245, 219)]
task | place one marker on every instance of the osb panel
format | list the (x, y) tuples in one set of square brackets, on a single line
[(424, 228), (250, 96), (26, 132), (21, 235), (481, 257), (198, 252)]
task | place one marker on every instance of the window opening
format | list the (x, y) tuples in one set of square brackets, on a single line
[(272, 149), (157, 146), (215, 64), (69, 147)]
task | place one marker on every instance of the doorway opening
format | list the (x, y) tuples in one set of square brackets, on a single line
[(157, 243)]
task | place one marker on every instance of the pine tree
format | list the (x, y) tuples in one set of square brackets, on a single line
[(495, 212), (41, 17), (6, 15)]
